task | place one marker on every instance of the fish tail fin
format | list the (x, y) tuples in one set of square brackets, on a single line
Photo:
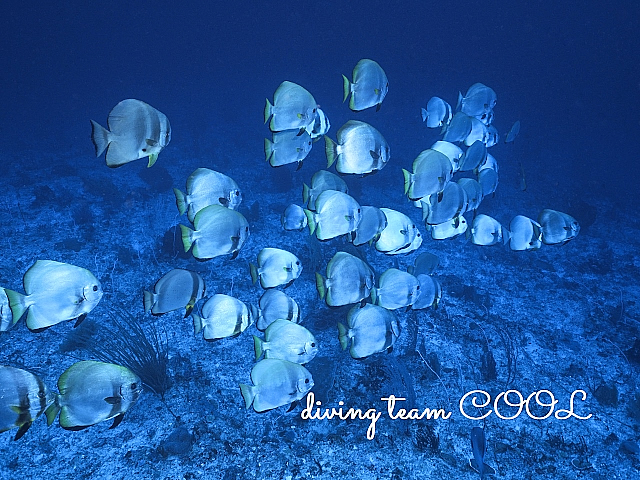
[(187, 237), (321, 286), (506, 236), (426, 209), (311, 221), (254, 272), (407, 180), (248, 393), (459, 104), (257, 345), (100, 137), (149, 301), (331, 150), (346, 88), (17, 304), (197, 323), (424, 114), (374, 295), (52, 410), (305, 194), (268, 149), (181, 201), (342, 335), (267, 110)]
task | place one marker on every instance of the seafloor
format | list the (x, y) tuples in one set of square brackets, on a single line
[(560, 319)]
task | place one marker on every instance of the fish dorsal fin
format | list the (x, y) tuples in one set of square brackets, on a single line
[(22, 430), (113, 400)]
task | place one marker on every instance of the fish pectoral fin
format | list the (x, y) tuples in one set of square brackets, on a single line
[(117, 420), (374, 155), (113, 400), (150, 142), (224, 201), (80, 320), (22, 430), (288, 269)]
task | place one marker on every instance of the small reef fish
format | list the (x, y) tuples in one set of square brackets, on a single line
[(452, 202), (486, 230), (429, 293), (288, 146), (23, 398), (336, 214), (397, 289), (349, 280), (136, 130), (222, 316), (424, 264), (371, 329), (453, 152), (276, 383), (474, 193), (218, 231), (478, 102), (475, 156), (488, 180), (274, 305), (459, 128), (178, 288), (557, 227), (360, 149), (368, 88), (93, 392), (399, 233), (287, 341), (432, 171), (450, 229), (293, 218), (437, 114), (275, 267), (371, 225), (294, 108), (207, 187), (322, 180), (525, 234), (55, 292), (319, 126)]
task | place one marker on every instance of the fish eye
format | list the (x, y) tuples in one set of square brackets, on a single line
[(297, 262), (144, 149), (41, 394), (313, 344), (95, 288), (134, 386), (306, 380)]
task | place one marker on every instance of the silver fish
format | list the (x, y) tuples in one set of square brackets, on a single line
[(429, 293), (6, 316), (478, 133), (397, 289), (136, 130), (486, 230), (276, 383), (92, 392), (474, 193), (275, 267), (207, 187), (336, 214), (451, 229), (437, 114), (478, 102), (222, 316), (557, 227), (293, 218), (178, 288), (475, 156), (360, 149), (459, 128), (488, 180), (513, 132), (373, 222), (218, 231), (293, 108), (369, 87), (319, 126), (55, 292), (349, 280), (23, 398), (274, 305), (432, 170), (287, 341), (399, 233), (288, 146), (322, 180), (371, 329), (452, 203), (525, 234)]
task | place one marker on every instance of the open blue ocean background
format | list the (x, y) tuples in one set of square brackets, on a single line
[(569, 71)]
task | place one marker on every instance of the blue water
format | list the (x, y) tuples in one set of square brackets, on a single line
[(569, 72)]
